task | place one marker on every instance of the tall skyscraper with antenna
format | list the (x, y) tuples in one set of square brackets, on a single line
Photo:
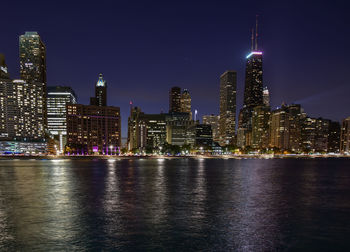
[(253, 91)]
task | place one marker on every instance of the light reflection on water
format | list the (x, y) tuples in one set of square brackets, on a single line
[(174, 204)]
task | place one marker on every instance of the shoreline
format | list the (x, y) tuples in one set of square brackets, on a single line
[(172, 157)]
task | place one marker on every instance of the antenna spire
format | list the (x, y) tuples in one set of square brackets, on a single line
[(252, 39), (256, 32)]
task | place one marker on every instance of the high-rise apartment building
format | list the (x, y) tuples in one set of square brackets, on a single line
[(175, 99), (345, 136), (186, 102), (57, 99), (100, 98), (228, 88), (22, 111), (213, 121), (260, 127)]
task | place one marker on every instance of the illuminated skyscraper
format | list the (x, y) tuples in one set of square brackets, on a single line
[(100, 98), (57, 99), (175, 99), (32, 56), (253, 90), (227, 128), (21, 111), (186, 102)]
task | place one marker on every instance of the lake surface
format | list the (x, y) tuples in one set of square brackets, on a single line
[(175, 205)]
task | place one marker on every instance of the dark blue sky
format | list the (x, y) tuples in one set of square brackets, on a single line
[(143, 48)]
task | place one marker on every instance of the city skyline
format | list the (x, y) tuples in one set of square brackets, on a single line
[(290, 69)]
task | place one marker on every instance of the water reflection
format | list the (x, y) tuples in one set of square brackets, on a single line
[(176, 204)]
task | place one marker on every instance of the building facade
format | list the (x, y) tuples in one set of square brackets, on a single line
[(334, 137), (57, 99), (32, 55), (204, 135), (146, 131), (175, 99), (260, 127), (93, 129), (186, 103), (279, 129), (345, 136), (228, 89), (213, 121)]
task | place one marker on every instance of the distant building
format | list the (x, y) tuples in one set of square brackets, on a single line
[(308, 134), (204, 135), (260, 127), (175, 99), (180, 129), (279, 129), (146, 130), (345, 136), (32, 55), (334, 137), (266, 97), (213, 121), (227, 122), (57, 99), (321, 135), (296, 119), (100, 98), (93, 129), (186, 103)]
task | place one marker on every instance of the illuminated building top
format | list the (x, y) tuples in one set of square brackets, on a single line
[(101, 82), (254, 53)]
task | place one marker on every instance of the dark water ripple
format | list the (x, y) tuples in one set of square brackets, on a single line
[(175, 205)]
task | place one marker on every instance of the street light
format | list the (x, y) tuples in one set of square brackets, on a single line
[(111, 147)]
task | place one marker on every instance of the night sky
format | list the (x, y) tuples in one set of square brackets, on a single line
[(143, 48)]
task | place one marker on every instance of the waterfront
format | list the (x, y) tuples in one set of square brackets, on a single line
[(175, 204)]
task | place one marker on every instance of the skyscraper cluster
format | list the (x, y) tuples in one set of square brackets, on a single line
[(40, 119), (36, 119)]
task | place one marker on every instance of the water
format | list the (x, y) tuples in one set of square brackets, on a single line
[(175, 205)]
